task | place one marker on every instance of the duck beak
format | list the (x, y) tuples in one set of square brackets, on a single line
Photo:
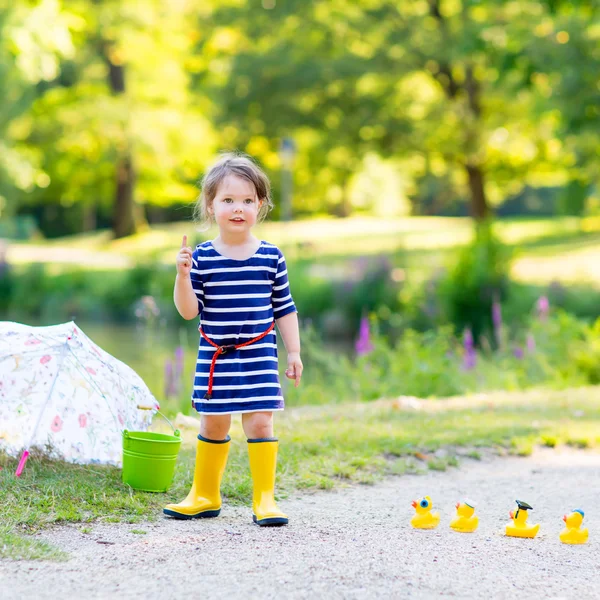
[(511, 514), (565, 518), (457, 504), (414, 504)]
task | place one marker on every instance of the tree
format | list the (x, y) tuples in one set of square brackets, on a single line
[(119, 129), (124, 221), (439, 80), (32, 42), (567, 59)]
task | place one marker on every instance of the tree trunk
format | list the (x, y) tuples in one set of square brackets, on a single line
[(479, 205), (344, 208), (124, 222), (89, 220)]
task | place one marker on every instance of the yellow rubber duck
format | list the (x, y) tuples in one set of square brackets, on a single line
[(424, 518), (572, 533), (518, 527), (465, 521)]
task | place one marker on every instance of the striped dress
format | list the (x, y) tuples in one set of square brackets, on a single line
[(237, 301)]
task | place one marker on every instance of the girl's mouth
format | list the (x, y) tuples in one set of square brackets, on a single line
[(237, 220)]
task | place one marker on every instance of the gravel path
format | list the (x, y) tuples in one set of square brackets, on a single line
[(354, 543)]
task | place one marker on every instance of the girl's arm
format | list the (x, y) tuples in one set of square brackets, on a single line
[(185, 297), (290, 333)]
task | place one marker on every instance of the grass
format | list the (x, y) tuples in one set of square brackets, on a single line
[(322, 447), (19, 547), (562, 248)]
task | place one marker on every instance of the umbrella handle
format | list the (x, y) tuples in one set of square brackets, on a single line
[(22, 462)]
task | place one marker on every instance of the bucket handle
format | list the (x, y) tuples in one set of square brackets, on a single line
[(176, 432)]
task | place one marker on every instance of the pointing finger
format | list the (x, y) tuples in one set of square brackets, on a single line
[(184, 241)]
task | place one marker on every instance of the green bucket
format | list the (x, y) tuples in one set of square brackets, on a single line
[(149, 459)]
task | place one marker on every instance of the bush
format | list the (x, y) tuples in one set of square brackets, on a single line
[(556, 352), (586, 355), (120, 299), (7, 283), (480, 276)]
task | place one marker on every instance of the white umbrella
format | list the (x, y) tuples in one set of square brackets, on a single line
[(61, 392)]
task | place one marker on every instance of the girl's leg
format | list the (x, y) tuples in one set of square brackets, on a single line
[(215, 427), (204, 498), (258, 425), (262, 450)]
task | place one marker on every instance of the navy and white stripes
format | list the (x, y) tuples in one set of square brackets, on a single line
[(237, 300)]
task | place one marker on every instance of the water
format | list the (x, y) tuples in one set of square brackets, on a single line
[(147, 349)]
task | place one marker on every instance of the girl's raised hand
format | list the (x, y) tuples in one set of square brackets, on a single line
[(184, 259)]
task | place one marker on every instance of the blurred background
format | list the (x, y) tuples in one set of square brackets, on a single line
[(435, 166)]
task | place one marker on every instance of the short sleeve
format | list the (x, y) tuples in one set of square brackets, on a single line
[(196, 278), (281, 298)]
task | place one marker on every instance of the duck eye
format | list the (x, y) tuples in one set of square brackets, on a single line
[(424, 503)]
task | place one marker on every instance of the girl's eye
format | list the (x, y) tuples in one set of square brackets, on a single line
[(228, 200), (249, 200)]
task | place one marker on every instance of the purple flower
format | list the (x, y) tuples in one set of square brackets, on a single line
[(169, 390), (470, 356), (175, 372), (3, 261), (363, 342), (497, 321), (530, 343), (497, 314), (178, 361), (518, 352), (468, 339), (543, 307)]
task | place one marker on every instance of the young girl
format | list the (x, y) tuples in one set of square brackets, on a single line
[(239, 287)]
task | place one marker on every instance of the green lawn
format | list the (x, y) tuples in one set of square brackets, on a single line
[(566, 248), (321, 448)]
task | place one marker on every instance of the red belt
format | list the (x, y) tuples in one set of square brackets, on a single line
[(223, 349)]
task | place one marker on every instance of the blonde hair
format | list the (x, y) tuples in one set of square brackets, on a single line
[(242, 166)]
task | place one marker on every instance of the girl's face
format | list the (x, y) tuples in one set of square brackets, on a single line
[(235, 207)]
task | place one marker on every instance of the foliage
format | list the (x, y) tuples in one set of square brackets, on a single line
[(78, 130), (33, 41), (92, 295), (586, 355), (458, 98), (331, 291), (566, 60), (556, 352), (453, 87)]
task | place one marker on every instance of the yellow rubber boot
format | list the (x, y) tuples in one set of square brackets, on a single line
[(204, 499), (263, 462)]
